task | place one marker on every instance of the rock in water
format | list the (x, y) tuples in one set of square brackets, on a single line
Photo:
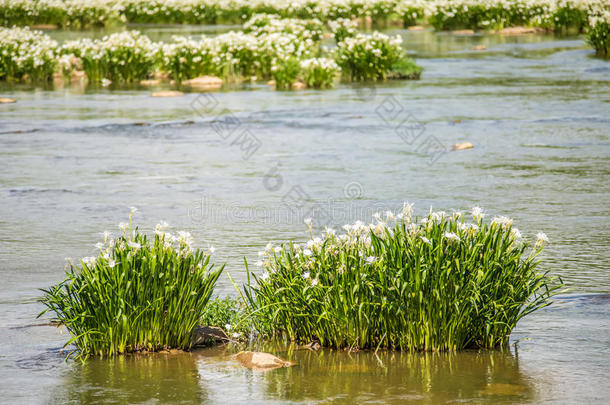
[(204, 82), (259, 361), (520, 30), (463, 32), (463, 145), (206, 335), (4, 100), (298, 86), (150, 82), (168, 93)]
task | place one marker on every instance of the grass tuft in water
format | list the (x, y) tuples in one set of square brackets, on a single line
[(137, 294), (444, 283)]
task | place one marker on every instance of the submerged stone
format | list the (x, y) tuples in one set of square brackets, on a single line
[(502, 389), (520, 30), (463, 145), (151, 82), (416, 28), (204, 82), (463, 32), (44, 27), (260, 361), (169, 93), (479, 48), (5, 100), (298, 86)]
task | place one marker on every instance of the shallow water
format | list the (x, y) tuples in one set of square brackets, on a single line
[(536, 108)]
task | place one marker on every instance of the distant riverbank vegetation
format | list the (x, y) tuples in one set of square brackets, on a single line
[(282, 50)]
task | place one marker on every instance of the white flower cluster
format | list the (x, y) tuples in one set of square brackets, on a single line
[(23, 51), (330, 246), (261, 24), (320, 63), (193, 11)]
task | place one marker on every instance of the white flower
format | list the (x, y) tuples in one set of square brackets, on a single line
[(308, 221), (235, 335), (515, 233), (211, 249), (161, 226), (277, 249), (425, 240), (314, 282), (477, 213), (89, 260), (502, 221), (259, 263), (123, 226), (306, 275), (133, 245), (407, 211), (265, 276), (111, 263), (451, 236), (99, 245), (133, 210), (541, 238), (228, 326), (371, 259), (307, 252)]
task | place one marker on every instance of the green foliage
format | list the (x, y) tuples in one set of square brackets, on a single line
[(185, 58), (285, 72), (26, 54), (442, 284), (405, 68), (319, 73), (229, 314), (135, 295), (369, 57), (598, 36), (123, 57)]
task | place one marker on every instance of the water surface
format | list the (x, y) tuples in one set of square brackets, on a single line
[(535, 107)]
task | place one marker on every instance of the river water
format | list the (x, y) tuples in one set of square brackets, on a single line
[(536, 108)]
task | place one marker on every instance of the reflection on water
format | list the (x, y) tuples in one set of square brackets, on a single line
[(161, 378), (212, 376)]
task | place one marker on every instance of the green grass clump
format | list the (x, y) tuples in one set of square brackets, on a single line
[(319, 73), (137, 294), (122, 57), (598, 34), (444, 283), (26, 54), (369, 57), (230, 314)]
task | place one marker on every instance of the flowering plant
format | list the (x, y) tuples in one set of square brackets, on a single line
[(26, 54), (369, 57), (442, 283), (319, 72), (136, 294)]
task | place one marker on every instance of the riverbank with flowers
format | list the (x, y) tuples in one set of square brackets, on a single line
[(283, 50), (552, 15)]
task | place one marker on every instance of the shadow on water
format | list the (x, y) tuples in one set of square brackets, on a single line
[(157, 378)]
